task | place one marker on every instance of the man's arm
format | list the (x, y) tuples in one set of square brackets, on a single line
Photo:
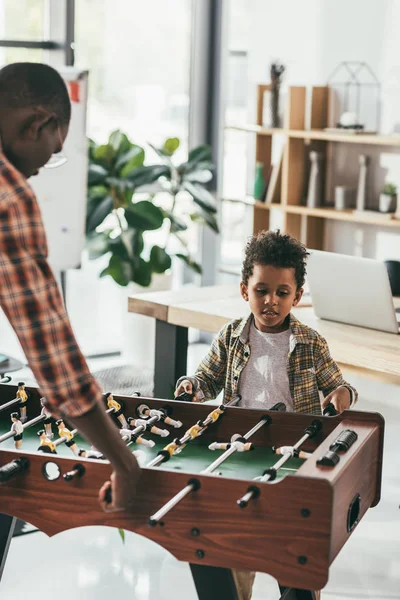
[(31, 300)]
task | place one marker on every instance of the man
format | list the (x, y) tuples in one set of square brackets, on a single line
[(35, 111)]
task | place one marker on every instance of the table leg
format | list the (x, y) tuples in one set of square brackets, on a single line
[(294, 594), (213, 583), (7, 525), (170, 357)]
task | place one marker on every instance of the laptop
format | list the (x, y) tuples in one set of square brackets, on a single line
[(352, 290)]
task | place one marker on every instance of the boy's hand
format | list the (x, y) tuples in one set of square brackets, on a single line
[(185, 386), (340, 398)]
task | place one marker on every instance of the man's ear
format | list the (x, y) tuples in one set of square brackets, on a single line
[(298, 296), (35, 124), (244, 291)]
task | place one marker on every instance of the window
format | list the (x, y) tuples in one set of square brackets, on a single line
[(138, 55)]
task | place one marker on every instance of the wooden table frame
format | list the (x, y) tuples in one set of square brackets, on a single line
[(366, 352)]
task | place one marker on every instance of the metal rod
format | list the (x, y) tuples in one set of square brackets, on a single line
[(154, 519), (232, 449), (10, 403), (253, 492), (30, 423), (285, 458)]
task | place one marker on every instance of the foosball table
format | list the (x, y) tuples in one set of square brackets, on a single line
[(222, 487)]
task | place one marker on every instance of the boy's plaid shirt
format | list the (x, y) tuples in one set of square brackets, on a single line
[(31, 300), (310, 367)]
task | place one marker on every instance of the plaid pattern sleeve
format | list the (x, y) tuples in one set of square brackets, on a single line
[(31, 300), (329, 376), (210, 376)]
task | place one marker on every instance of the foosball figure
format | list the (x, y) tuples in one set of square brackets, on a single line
[(295, 452), (23, 398), (111, 403), (92, 454), (48, 418), (132, 423), (17, 430), (64, 432), (46, 445), (129, 436)]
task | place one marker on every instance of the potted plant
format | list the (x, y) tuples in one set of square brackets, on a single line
[(387, 199), (128, 198)]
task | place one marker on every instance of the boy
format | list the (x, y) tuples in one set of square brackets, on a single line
[(270, 356), (35, 112)]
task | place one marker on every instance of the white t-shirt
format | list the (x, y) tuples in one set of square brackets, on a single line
[(264, 380)]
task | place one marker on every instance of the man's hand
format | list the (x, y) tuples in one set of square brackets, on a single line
[(340, 398), (122, 491), (185, 386), (97, 427)]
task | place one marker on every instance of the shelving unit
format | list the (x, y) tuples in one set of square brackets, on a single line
[(306, 224)]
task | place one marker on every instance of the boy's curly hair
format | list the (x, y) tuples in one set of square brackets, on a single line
[(275, 249)]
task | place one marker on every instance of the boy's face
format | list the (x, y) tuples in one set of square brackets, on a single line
[(271, 293)]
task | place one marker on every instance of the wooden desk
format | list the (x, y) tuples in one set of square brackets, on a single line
[(366, 351)]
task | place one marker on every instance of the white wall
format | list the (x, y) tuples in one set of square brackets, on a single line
[(311, 37)]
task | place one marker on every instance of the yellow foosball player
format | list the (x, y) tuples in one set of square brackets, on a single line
[(111, 403), (17, 430), (22, 394), (64, 432), (46, 445), (47, 418)]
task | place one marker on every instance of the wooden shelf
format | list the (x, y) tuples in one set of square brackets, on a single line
[(357, 138), (326, 136), (343, 215), (331, 213), (256, 129)]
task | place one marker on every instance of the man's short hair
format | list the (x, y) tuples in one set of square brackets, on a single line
[(277, 250), (24, 85)]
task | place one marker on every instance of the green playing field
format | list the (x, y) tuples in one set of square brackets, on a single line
[(194, 457)]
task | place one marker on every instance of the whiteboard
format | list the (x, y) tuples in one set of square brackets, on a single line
[(61, 192)]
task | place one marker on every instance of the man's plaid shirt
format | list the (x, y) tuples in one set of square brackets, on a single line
[(31, 300), (309, 366)]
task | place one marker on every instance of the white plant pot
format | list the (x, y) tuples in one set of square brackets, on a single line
[(387, 204), (138, 331)]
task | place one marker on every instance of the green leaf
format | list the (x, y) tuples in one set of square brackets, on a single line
[(119, 270), (141, 272), (160, 261), (97, 245), (199, 154), (97, 216), (201, 196), (118, 248), (134, 157), (122, 535), (96, 174), (144, 215), (104, 155), (97, 192), (177, 224), (206, 218), (133, 163), (122, 184), (148, 174), (190, 262), (198, 176), (171, 145), (137, 243), (119, 141)]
